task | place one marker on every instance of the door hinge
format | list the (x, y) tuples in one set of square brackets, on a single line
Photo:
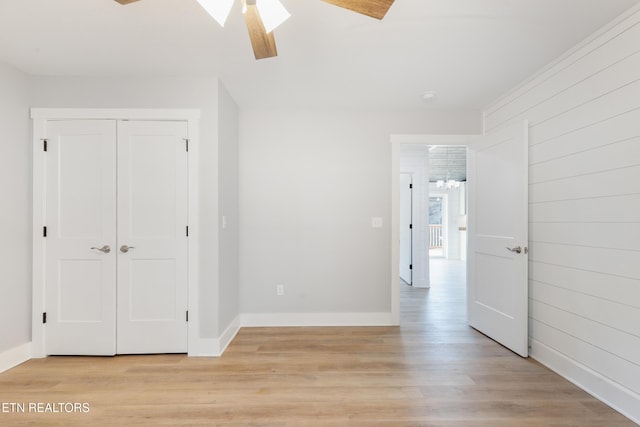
[(186, 144), (410, 186), (410, 266), (187, 315), (410, 226), (44, 231), (45, 143), (44, 317), (187, 231)]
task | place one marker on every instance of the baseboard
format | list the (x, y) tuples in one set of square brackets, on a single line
[(315, 319), (619, 398), (15, 356), (204, 347)]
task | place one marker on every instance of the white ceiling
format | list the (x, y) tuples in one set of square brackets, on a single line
[(468, 51)]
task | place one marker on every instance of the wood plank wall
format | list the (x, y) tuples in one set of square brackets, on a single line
[(584, 211)]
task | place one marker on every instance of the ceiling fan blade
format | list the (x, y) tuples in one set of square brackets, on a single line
[(373, 8), (126, 1), (263, 43)]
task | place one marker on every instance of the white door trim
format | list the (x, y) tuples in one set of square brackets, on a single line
[(40, 116), (396, 141)]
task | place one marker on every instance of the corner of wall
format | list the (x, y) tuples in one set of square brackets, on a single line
[(215, 347), (228, 212)]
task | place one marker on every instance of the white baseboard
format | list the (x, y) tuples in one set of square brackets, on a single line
[(214, 347), (15, 356), (204, 347), (315, 319), (618, 397)]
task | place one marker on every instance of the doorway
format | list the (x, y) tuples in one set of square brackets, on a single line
[(496, 282), (432, 210), (412, 151)]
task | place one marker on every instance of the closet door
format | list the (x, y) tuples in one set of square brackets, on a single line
[(80, 290), (152, 237)]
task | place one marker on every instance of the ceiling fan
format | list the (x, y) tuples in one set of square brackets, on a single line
[(262, 16)]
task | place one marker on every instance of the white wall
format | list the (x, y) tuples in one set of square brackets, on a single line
[(15, 214), (584, 176), (199, 93), (310, 181), (228, 189)]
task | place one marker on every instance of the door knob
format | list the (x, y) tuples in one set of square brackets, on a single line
[(517, 249), (124, 248), (106, 249)]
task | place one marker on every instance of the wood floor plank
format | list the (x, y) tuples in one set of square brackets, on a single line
[(432, 371)]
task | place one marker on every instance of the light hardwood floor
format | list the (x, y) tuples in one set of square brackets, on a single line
[(433, 370)]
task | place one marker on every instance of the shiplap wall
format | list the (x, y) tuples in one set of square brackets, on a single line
[(584, 211)]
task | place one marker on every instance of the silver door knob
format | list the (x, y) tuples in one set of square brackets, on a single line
[(106, 249), (517, 249), (124, 248)]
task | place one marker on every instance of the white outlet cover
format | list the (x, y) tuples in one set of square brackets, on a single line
[(376, 222)]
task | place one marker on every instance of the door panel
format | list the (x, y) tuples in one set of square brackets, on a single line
[(81, 214), (498, 220), (152, 292), (406, 240), (152, 220), (79, 290)]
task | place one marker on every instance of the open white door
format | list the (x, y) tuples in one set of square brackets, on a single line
[(81, 237), (406, 239), (497, 280), (152, 237)]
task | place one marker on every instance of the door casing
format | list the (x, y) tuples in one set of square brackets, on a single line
[(40, 117)]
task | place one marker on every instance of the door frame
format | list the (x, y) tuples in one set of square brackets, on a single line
[(39, 117), (396, 142)]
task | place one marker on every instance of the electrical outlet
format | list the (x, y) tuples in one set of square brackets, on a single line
[(279, 290)]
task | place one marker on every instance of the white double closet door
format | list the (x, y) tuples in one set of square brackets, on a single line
[(116, 237)]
